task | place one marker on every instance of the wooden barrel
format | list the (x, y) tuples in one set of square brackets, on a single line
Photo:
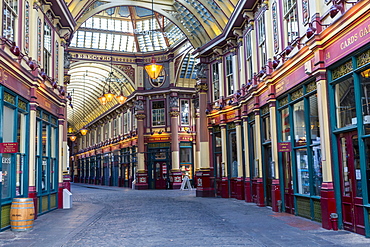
[(22, 214)]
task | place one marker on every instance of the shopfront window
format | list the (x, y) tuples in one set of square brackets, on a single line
[(158, 113), (215, 82), (184, 112), (299, 124), (229, 74), (233, 155), (285, 125), (345, 103), (14, 115), (306, 148), (47, 158), (10, 15), (186, 159)]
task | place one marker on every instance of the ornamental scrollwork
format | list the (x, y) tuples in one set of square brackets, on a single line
[(201, 71), (139, 105), (201, 87), (140, 116), (174, 113)]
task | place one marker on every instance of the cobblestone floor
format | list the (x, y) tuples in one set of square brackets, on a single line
[(111, 216)]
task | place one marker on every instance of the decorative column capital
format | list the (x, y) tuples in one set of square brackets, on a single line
[(174, 113), (201, 87), (140, 116)]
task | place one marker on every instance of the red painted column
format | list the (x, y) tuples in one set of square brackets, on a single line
[(260, 193), (328, 204), (141, 174), (275, 195), (205, 177), (239, 189), (32, 194), (248, 190), (175, 159)]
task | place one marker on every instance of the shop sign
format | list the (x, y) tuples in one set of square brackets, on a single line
[(284, 147), (9, 147), (230, 116), (158, 139), (348, 43)]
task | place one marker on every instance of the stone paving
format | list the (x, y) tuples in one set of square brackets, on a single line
[(112, 216)]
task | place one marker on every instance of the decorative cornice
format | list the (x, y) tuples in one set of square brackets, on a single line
[(174, 113), (140, 116)]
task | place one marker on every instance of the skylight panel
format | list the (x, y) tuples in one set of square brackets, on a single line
[(110, 42), (103, 23), (80, 38), (117, 41), (123, 45), (118, 25), (95, 40), (88, 39), (89, 23), (103, 41)]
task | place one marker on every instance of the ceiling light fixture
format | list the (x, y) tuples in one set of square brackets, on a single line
[(153, 70)]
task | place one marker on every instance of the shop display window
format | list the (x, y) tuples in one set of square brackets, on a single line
[(299, 124), (345, 103), (303, 172)]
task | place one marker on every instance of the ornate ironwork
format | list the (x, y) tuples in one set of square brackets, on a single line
[(27, 28), (342, 70), (311, 87), (9, 98), (231, 126), (275, 27), (363, 58), (174, 113), (54, 121), (140, 116), (283, 101), (201, 87), (265, 110), (45, 117), (251, 117), (305, 11), (297, 94), (38, 113), (22, 105)]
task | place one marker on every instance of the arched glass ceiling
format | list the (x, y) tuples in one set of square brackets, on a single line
[(127, 29), (87, 83)]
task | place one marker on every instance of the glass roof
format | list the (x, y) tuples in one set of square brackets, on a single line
[(127, 29)]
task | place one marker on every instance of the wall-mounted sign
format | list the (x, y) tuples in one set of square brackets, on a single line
[(9, 147), (284, 147)]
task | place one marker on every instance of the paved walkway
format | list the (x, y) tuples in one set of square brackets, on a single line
[(112, 216)]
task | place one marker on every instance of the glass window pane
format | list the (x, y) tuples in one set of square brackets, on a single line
[(184, 112), (299, 124), (19, 175), (285, 125), (233, 155), (45, 140), (53, 142), (345, 104), (43, 174), (314, 120), (8, 126), (317, 170), (303, 172), (6, 182)]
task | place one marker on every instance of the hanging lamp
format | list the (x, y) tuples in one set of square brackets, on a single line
[(84, 131), (153, 70)]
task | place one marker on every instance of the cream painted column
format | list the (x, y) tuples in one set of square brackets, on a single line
[(239, 150), (323, 109), (224, 146), (274, 137), (197, 143), (246, 147), (141, 174), (221, 77), (242, 65), (32, 149), (257, 136)]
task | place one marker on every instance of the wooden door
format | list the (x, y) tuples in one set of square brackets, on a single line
[(268, 174), (351, 189), (288, 183)]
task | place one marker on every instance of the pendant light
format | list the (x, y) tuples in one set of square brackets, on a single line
[(153, 69), (84, 131)]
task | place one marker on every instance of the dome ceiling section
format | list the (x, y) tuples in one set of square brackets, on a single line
[(127, 29), (200, 20), (87, 83)]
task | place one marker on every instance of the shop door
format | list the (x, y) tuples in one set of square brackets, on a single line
[(288, 183), (157, 169), (352, 205), (268, 175), (219, 173)]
